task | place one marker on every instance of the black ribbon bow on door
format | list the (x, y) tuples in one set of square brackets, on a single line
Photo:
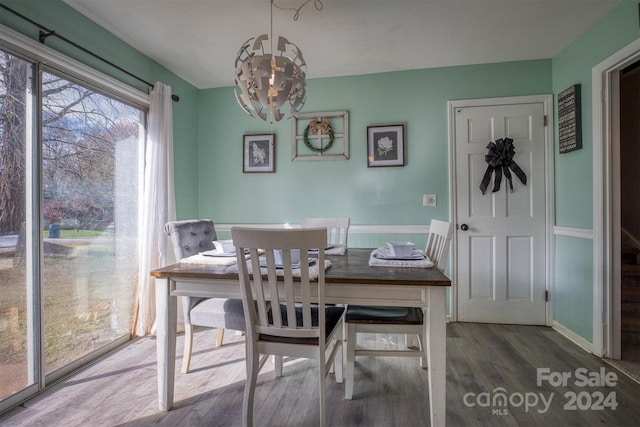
[(500, 160)]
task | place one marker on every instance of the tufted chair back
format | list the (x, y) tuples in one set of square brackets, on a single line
[(191, 236), (188, 238)]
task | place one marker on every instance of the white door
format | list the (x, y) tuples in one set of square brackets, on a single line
[(500, 236)]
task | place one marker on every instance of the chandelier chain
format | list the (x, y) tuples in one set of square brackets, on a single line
[(317, 3)]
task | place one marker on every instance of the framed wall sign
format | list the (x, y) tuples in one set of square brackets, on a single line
[(385, 145), (258, 153), (569, 119), (320, 136)]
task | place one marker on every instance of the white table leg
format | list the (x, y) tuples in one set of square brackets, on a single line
[(166, 318), (437, 354)]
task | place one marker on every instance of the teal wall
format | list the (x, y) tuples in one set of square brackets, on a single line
[(573, 171), (573, 297), (208, 130), (57, 16), (391, 195), (573, 302)]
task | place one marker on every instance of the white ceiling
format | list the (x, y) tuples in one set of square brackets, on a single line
[(198, 39)]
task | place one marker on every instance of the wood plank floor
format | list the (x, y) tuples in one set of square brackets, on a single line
[(121, 388)]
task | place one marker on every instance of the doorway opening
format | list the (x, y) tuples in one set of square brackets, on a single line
[(615, 118), (629, 81)]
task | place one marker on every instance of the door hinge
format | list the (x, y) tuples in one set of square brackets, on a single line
[(544, 120), (546, 296)]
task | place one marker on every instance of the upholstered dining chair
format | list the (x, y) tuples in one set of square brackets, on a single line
[(189, 238), (337, 228), (395, 320), (282, 316)]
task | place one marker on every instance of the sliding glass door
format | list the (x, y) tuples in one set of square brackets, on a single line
[(17, 326), (70, 180), (90, 184)]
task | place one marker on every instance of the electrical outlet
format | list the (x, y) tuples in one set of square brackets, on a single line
[(429, 200)]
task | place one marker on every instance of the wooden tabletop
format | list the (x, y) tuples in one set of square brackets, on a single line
[(353, 267)]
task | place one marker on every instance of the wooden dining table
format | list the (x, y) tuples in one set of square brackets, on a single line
[(349, 280)]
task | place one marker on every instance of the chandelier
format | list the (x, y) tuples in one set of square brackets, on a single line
[(271, 84)]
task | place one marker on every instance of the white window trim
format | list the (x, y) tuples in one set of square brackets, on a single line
[(34, 52)]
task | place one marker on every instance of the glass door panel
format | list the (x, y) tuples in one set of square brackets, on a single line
[(90, 179), (16, 296)]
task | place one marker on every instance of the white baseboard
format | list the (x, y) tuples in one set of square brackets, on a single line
[(573, 337)]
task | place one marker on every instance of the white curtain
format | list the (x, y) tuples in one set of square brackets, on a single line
[(158, 203)]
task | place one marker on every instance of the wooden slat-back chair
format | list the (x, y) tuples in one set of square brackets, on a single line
[(284, 308), (395, 320), (337, 228)]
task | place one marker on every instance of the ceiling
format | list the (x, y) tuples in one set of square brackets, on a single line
[(198, 39)]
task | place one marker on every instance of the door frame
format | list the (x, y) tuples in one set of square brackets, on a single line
[(547, 101), (606, 200)]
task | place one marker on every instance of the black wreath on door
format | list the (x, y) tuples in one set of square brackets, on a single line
[(500, 160)]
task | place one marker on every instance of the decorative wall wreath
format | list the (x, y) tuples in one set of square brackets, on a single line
[(500, 160), (322, 128)]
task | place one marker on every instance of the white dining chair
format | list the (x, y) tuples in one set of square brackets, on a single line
[(283, 316), (394, 320), (337, 228)]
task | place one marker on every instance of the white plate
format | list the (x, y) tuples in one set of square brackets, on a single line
[(385, 253), (215, 253), (263, 263)]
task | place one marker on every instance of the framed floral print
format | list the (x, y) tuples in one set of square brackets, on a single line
[(258, 153), (385, 146)]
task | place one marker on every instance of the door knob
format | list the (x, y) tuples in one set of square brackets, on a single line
[(464, 227)]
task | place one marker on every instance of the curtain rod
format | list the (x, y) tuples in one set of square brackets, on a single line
[(46, 32)]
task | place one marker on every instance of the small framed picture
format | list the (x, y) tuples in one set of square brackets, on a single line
[(258, 153), (385, 146)]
